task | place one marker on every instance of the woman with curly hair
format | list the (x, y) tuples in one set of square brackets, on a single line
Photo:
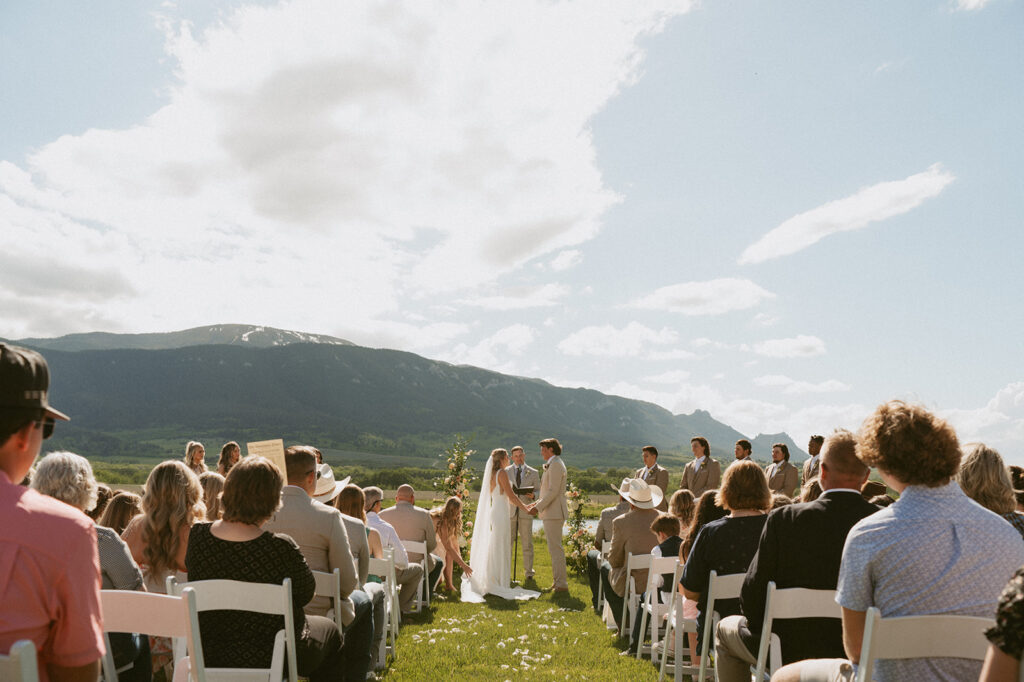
[(681, 506), (230, 453), (122, 508), (448, 524), (984, 478), (213, 485), (194, 457)]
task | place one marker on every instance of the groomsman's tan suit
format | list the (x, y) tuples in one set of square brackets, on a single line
[(658, 476), (709, 477), (553, 511), (812, 467), (783, 477), (522, 521)]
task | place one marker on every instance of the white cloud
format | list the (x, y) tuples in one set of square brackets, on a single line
[(868, 205), (792, 386), (969, 5), (1000, 423), (633, 340), (672, 377), (566, 259), (495, 352), (764, 320), (519, 298), (713, 297), (352, 155), (796, 347)]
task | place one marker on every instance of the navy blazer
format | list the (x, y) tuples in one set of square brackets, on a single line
[(801, 546)]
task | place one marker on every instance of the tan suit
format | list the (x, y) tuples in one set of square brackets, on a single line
[(657, 476), (812, 467), (321, 536), (698, 482), (553, 511), (604, 525), (631, 533), (413, 523), (782, 478), (522, 522)]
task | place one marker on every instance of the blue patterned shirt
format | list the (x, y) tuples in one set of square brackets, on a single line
[(934, 551)]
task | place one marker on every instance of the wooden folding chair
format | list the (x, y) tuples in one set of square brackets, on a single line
[(934, 636), (792, 602), (652, 605), (20, 664)]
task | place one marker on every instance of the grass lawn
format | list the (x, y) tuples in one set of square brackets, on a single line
[(557, 636)]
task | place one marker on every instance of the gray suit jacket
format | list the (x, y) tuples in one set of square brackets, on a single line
[(321, 536), (631, 533), (413, 523), (551, 501), (698, 482), (530, 479), (658, 477)]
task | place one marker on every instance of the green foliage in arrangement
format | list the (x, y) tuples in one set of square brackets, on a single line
[(580, 540)]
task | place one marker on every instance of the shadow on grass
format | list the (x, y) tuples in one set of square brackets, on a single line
[(565, 600)]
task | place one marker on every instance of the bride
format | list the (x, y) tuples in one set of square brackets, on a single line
[(490, 555)]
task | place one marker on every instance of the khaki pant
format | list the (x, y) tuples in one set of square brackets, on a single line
[(553, 533), (408, 583)]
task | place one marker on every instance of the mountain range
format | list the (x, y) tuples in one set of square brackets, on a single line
[(145, 395)]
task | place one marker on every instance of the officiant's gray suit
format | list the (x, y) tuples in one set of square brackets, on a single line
[(522, 522)]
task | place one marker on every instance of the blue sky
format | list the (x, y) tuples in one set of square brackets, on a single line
[(781, 212)]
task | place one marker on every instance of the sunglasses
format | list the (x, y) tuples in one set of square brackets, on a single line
[(47, 423)]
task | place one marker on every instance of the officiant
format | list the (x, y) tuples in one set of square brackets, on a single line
[(525, 482)]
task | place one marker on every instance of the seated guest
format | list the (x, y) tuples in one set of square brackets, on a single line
[(408, 575), (681, 506), (985, 479), (351, 502), (213, 486), (780, 500), (1017, 478), (122, 508), (604, 532), (812, 489), (783, 477), (237, 548), (230, 453), (631, 533), (413, 523), (705, 511), (448, 524), (872, 488), (103, 495), (727, 545), (321, 536), (932, 551), (195, 455), (881, 501), (666, 529), (1002, 662), (49, 563), (801, 546), (68, 477)]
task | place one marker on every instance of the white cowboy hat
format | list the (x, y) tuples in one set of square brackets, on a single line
[(641, 495), (326, 487), (623, 487)]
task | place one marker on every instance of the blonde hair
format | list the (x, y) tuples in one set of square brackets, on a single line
[(497, 455), (984, 479), (190, 451), (449, 517), (213, 486), (122, 508), (681, 506), (351, 501), (173, 499)]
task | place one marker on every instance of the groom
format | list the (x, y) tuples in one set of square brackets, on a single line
[(552, 509)]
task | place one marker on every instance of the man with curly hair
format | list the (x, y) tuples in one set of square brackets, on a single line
[(933, 551)]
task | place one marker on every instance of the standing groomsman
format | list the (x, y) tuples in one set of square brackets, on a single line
[(813, 464), (653, 474), (783, 477), (523, 476), (702, 473)]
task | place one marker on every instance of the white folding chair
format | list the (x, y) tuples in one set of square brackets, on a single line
[(631, 602), (423, 593), (159, 615), (675, 630), (652, 605), (935, 636), (719, 587), (792, 602), (606, 549), (385, 570), (236, 595), (329, 585), (20, 664)]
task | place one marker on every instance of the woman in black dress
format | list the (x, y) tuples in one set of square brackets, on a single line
[(236, 548)]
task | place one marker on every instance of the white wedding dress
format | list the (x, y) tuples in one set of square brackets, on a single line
[(490, 555)]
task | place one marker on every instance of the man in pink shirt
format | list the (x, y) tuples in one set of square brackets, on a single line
[(49, 564)]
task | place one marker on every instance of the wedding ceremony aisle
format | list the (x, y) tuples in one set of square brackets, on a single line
[(555, 637)]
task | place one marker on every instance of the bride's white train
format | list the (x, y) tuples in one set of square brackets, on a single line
[(490, 555)]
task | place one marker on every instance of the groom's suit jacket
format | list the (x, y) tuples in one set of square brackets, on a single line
[(782, 477), (530, 479), (658, 476), (551, 502)]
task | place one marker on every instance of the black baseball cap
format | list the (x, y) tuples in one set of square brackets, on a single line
[(24, 381)]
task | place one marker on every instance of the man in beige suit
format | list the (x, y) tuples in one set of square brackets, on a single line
[(523, 476), (321, 536), (653, 474), (812, 467), (783, 477), (413, 523), (631, 533), (553, 510), (702, 473)]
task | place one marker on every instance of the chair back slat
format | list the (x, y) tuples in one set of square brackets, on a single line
[(719, 587), (19, 665), (159, 615), (792, 602)]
